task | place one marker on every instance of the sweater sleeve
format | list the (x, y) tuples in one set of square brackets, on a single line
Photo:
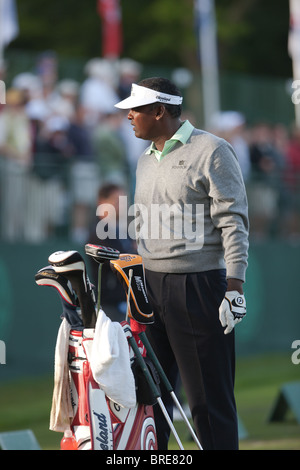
[(229, 208)]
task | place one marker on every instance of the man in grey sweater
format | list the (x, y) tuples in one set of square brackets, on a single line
[(192, 233)]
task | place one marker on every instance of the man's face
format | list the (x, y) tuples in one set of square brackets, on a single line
[(143, 119)]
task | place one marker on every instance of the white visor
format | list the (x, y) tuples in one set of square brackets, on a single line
[(140, 96)]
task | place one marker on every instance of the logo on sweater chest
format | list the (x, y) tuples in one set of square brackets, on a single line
[(180, 166)]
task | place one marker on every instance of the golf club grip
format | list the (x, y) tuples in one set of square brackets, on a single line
[(156, 362)]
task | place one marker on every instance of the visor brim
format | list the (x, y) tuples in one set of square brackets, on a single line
[(132, 102)]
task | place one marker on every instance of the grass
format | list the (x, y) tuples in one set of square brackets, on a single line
[(257, 388), (258, 381), (26, 405)]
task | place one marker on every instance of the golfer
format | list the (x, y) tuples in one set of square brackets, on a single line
[(195, 269)]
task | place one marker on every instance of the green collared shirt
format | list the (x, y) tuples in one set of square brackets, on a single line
[(182, 135)]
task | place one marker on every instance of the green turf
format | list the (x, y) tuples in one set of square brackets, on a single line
[(26, 405), (258, 381), (257, 388)]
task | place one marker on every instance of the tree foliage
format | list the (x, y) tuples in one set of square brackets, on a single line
[(252, 34)]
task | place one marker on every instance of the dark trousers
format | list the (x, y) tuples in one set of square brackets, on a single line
[(188, 338)]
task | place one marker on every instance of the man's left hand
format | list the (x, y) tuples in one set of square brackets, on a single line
[(232, 310)]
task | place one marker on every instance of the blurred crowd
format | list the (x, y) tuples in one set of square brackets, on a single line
[(61, 140), (269, 157)]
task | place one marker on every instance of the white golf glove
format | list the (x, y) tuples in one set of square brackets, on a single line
[(232, 310)]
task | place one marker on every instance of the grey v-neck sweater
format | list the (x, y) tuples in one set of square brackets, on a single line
[(192, 209)]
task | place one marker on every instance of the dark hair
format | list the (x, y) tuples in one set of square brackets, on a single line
[(164, 86), (107, 189)]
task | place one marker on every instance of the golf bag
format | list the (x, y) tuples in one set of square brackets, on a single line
[(97, 421)]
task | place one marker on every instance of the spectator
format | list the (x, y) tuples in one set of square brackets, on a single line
[(265, 188), (37, 112), (15, 153), (293, 182), (109, 148), (133, 147), (97, 92), (113, 299), (85, 176), (230, 125), (29, 84), (52, 159), (129, 73), (47, 71), (63, 100)]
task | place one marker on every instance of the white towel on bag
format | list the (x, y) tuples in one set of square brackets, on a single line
[(108, 354), (110, 362), (61, 411)]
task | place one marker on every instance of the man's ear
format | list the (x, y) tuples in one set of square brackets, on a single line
[(159, 111)]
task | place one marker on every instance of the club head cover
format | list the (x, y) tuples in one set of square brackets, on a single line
[(47, 276), (101, 254), (72, 266), (66, 261), (140, 308)]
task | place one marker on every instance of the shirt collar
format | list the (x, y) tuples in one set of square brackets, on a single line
[(181, 135)]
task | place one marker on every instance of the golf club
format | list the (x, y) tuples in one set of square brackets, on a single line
[(101, 254), (151, 383)]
